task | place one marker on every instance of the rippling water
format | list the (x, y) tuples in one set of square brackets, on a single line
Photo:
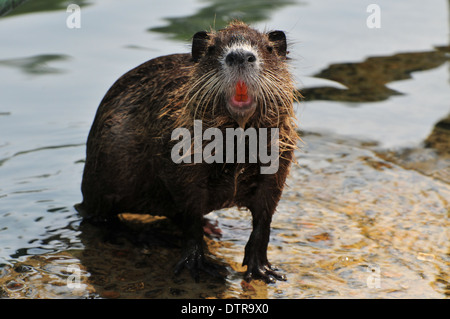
[(366, 213)]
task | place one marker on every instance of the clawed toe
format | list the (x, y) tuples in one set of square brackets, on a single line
[(265, 273)]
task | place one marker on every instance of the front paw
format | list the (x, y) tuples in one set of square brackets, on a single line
[(194, 260), (264, 272)]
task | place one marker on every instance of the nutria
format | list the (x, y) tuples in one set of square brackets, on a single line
[(236, 77)]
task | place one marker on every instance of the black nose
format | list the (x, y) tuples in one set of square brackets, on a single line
[(239, 57)]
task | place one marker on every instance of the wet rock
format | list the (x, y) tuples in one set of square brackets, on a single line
[(22, 268), (110, 294), (154, 293), (13, 285), (177, 292)]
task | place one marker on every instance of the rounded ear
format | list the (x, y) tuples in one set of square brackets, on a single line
[(199, 44), (278, 39)]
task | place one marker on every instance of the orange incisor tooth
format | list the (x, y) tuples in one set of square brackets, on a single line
[(241, 91)]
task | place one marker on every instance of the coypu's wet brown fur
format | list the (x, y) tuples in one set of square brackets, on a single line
[(128, 164)]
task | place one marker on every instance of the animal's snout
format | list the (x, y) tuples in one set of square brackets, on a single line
[(240, 57)]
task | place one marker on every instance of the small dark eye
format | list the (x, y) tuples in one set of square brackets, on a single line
[(211, 49), (270, 48)]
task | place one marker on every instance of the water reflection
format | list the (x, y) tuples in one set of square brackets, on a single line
[(18, 7), (218, 13), (366, 81), (39, 149), (36, 65), (9, 5), (137, 258), (439, 138), (348, 206), (432, 158)]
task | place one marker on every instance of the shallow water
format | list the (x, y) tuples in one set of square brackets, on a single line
[(366, 212)]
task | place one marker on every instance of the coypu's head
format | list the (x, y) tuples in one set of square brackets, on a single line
[(240, 73)]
